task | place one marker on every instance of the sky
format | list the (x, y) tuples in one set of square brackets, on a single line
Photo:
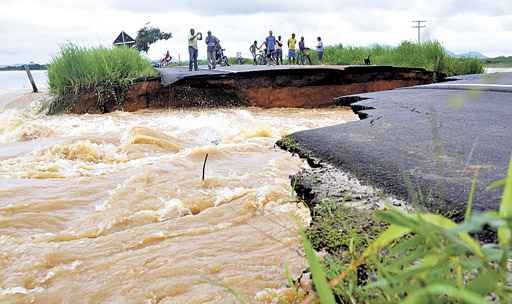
[(33, 30)]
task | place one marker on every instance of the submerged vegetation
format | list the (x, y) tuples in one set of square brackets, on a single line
[(104, 72), (419, 258), (429, 55)]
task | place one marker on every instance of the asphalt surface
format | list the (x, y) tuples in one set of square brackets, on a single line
[(426, 143), (173, 74)]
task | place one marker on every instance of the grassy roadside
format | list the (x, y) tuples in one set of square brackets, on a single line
[(106, 73), (392, 256), (430, 55)]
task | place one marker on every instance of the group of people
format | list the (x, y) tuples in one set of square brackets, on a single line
[(212, 48), (273, 50)]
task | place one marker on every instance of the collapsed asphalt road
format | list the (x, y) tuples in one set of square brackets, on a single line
[(425, 144)]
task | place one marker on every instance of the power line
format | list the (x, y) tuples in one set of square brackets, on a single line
[(419, 25)]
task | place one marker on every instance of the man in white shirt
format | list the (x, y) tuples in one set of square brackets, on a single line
[(192, 49), (320, 50)]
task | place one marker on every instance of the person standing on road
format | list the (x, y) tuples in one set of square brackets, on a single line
[(211, 50), (270, 42), (303, 52), (279, 50), (192, 49), (254, 49), (292, 56), (320, 50)]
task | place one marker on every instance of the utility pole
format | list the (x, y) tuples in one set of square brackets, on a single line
[(419, 25)]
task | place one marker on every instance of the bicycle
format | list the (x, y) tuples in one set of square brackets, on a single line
[(221, 59), (303, 56), (263, 59)]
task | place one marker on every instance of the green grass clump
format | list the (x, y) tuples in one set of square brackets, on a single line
[(342, 231), (104, 72), (289, 144), (428, 55), (424, 258)]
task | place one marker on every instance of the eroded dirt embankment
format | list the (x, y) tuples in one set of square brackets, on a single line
[(322, 181), (297, 88)]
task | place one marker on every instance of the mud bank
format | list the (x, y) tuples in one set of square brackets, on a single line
[(294, 87), (322, 181)]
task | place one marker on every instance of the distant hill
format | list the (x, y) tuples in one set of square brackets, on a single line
[(20, 67), (473, 54)]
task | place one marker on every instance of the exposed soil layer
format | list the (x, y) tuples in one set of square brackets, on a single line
[(323, 181), (297, 87)]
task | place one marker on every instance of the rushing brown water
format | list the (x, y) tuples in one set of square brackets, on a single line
[(112, 208)]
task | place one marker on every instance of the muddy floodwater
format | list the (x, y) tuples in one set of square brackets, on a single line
[(112, 208)]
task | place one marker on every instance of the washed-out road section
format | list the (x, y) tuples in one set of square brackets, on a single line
[(426, 143), (257, 86)]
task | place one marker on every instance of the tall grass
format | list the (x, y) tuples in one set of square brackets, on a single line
[(423, 258), (103, 71), (429, 55)]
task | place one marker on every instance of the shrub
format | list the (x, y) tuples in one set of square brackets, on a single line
[(105, 72), (148, 35)]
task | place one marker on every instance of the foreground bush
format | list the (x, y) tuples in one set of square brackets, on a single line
[(428, 55), (105, 72), (420, 258)]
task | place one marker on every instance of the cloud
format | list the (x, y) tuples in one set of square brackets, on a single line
[(236, 7), (462, 26), (478, 7), (506, 23), (343, 7)]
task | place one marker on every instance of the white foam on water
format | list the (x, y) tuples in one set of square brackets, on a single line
[(225, 195), (19, 290)]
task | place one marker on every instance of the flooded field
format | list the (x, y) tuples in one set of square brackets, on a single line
[(112, 208)]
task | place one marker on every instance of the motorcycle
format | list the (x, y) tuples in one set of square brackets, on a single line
[(166, 61), (222, 59)]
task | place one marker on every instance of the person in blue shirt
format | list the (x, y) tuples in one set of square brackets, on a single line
[(270, 42)]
